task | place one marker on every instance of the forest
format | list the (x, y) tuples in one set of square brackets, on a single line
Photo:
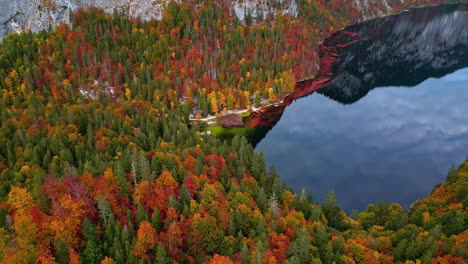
[(99, 162)]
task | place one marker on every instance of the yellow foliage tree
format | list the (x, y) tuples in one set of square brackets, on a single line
[(110, 176), (20, 199), (128, 94), (25, 229), (271, 95), (247, 99), (214, 105), (4, 239), (12, 80), (26, 249), (141, 190)]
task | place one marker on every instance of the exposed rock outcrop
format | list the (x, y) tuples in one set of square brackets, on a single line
[(34, 15)]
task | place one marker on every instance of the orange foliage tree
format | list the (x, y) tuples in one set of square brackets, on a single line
[(146, 240)]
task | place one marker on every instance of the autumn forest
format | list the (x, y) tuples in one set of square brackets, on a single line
[(99, 162)]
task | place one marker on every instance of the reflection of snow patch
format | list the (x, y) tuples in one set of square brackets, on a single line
[(368, 76)]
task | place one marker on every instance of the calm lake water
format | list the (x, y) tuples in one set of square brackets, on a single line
[(392, 143)]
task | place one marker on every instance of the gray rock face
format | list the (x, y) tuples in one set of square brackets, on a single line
[(34, 15), (19, 15), (7, 14), (7, 9)]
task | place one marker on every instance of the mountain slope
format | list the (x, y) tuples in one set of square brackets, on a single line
[(35, 15)]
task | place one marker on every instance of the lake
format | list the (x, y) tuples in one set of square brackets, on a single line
[(385, 118)]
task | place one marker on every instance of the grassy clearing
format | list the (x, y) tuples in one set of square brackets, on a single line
[(244, 114), (225, 132)]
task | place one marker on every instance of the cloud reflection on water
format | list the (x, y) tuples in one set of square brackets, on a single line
[(394, 144)]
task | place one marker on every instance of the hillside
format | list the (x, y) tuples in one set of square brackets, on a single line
[(99, 163), (35, 15)]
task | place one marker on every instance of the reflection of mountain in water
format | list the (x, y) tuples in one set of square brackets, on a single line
[(401, 50), (398, 50)]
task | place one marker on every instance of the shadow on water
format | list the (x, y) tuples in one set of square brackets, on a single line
[(401, 50)]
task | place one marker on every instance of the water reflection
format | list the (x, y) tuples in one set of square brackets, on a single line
[(399, 50), (394, 143)]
